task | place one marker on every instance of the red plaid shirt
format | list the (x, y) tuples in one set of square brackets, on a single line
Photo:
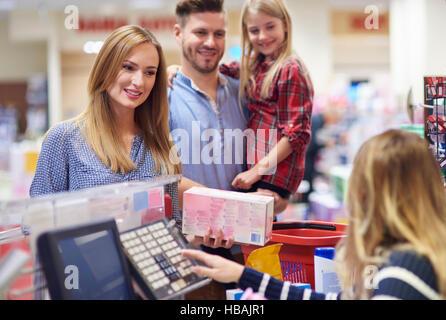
[(286, 111)]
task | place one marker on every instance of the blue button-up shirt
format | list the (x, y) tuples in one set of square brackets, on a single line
[(208, 134)]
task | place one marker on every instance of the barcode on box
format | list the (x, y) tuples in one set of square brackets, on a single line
[(255, 237)]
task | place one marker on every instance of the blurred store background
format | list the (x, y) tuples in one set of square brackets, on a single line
[(364, 57)]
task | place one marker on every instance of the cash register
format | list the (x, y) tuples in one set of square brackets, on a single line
[(96, 262)]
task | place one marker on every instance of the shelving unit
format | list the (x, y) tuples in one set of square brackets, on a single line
[(435, 117)]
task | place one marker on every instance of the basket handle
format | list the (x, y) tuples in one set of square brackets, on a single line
[(303, 225)]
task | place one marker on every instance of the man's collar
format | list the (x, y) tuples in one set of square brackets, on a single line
[(222, 81)]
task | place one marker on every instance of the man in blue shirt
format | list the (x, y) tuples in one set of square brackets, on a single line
[(203, 103), (206, 120)]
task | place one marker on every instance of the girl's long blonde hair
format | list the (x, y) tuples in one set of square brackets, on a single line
[(273, 8), (97, 122), (396, 199)]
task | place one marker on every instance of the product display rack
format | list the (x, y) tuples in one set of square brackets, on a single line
[(435, 118), (131, 204)]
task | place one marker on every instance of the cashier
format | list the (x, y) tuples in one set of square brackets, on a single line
[(397, 223)]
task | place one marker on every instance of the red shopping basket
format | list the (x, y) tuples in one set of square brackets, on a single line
[(299, 239)]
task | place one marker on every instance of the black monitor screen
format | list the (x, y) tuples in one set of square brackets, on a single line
[(85, 263), (94, 270)]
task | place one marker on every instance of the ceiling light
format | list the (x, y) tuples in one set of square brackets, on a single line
[(7, 5), (146, 4), (93, 47)]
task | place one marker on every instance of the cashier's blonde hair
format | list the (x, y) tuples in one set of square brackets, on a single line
[(98, 123), (396, 200)]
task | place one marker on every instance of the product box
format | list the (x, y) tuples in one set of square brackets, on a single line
[(325, 207), (234, 294), (302, 285), (325, 277), (246, 217)]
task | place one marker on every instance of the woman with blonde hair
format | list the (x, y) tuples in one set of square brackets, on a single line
[(395, 246), (123, 134)]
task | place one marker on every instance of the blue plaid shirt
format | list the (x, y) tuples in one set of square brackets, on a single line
[(67, 163)]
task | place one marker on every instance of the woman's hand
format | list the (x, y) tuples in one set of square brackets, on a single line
[(218, 268), (171, 73), (207, 241)]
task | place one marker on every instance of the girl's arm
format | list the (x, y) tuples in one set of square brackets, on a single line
[(294, 106), (266, 166), (232, 69), (276, 155), (172, 71)]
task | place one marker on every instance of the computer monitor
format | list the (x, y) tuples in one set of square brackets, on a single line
[(85, 263)]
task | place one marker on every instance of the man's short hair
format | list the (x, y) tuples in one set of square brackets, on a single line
[(187, 7)]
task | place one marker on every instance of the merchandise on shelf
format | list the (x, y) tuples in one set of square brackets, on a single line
[(435, 98), (131, 204), (325, 207), (339, 176)]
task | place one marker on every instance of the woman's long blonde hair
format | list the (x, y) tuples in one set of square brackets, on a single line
[(396, 199), (97, 122), (273, 8)]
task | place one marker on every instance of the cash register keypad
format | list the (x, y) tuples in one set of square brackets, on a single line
[(156, 254)]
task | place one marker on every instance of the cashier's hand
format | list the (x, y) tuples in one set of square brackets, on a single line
[(218, 268), (207, 241), (280, 203)]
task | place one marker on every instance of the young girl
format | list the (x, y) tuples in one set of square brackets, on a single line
[(395, 246), (279, 93)]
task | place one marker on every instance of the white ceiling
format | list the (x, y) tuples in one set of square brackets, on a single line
[(60, 4), (112, 7), (135, 4)]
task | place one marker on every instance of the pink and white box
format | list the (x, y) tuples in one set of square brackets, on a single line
[(246, 217)]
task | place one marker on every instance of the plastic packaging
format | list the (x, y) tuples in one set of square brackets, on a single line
[(266, 260)]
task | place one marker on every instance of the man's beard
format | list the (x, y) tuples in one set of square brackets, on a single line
[(187, 53)]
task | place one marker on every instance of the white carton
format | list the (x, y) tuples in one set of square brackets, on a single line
[(246, 217), (325, 278)]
